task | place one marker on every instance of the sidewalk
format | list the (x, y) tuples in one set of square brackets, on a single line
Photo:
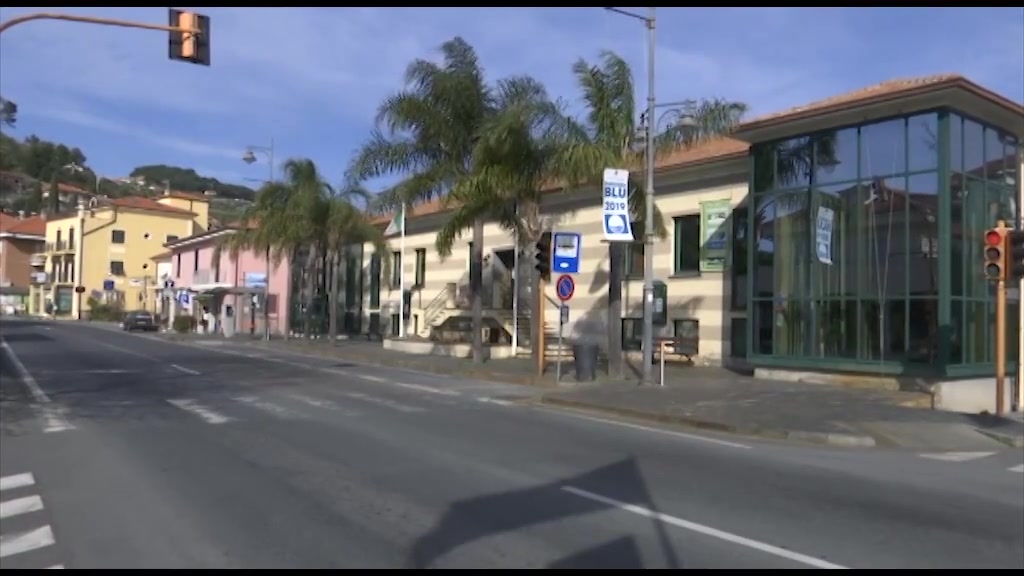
[(713, 399)]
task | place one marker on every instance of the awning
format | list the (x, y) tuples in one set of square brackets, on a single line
[(223, 288)]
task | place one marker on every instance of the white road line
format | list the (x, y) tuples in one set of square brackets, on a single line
[(185, 370), (683, 435), (125, 350), (371, 378), (383, 402), (53, 420), (265, 406), (208, 415), (1017, 469), (706, 530), (956, 456), (25, 541), (16, 481), (19, 506), (486, 400), (429, 389), (57, 567)]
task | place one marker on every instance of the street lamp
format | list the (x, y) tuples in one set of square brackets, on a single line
[(249, 158), (648, 335)]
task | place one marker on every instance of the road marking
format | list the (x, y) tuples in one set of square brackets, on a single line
[(265, 406), (25, 541), (17, 481), (429, 389), (19, 506), (382, 402), (486, 400), (57, 567), (370, 378), (53, 420), (956, 456), (185, 370), (706, 530), (126, 350), (674, 433), (1017, 469), (208, 415)]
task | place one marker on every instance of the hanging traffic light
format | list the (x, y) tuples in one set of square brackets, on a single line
[(191, 47), (1015, 254), (995, 254), (542, 256)]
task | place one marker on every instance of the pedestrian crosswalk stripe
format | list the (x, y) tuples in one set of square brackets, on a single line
[(956, 456), (1019, 468), (16, 481), (25, 541), (18, 506)]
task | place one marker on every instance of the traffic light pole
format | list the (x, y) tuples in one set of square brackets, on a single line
[(1000, 346), (91, 20)]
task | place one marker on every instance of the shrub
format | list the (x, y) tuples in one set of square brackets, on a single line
[(105, 312), (183, 324)]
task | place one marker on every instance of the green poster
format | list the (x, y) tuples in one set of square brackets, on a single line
[(714, 235)]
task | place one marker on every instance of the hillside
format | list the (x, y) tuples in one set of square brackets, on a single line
[(26, 164)]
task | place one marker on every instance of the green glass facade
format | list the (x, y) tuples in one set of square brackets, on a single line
[(867, 246)]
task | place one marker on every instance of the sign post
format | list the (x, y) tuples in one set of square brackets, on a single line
[(565, 287)]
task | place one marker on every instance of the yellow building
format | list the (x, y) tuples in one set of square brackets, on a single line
[(105, 250)]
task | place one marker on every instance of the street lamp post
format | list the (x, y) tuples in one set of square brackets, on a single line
[(249, 157)]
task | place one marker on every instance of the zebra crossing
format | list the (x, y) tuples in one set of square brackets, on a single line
[(239, 404), (26, 539)]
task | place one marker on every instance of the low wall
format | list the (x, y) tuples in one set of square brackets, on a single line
[(427, 348)]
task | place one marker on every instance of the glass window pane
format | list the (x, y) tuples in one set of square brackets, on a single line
[(883, 148), (764, 257), (791, 242), (764, 167), (883, 241), (974, 149), (923, 142), (996, 162), (836, 156), (738, 285), (763, 325), (835, 328), (686, 244), (956, 147), (922, 256), (793, 163), (955, 332), (791, 321), (977, 332), (834, 266)]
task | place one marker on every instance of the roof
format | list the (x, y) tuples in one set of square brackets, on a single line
[(140, 203), (186, 196), (726, 148), (32, 226), (162, 256), (880, 93)]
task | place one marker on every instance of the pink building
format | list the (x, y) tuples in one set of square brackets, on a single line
[(233, 289)]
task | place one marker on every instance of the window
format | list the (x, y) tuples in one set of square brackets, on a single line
[(171, 238), (396, 270), (632, 333), (71, 238), (177, 266), (195, 261), (117, 236), (686, 328), (421, 267), (686, 246), (116, 268), (738, 263), (634, 254), (375, 281)]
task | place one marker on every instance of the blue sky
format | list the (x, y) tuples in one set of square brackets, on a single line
[(311, 78)]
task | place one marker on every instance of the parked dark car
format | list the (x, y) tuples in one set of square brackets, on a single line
[(139, 320)]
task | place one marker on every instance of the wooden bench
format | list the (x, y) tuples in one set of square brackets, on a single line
[(676, 346)]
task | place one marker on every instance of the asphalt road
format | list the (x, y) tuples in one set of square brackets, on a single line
[(122, 451)]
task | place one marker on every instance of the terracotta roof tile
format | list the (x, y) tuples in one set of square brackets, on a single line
[(34, 225), (186, 196), (140, 203)]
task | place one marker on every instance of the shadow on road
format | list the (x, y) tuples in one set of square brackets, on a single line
[(477, 518)]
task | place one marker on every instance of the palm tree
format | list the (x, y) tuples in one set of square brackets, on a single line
[(347, 226), (428, 134), (605, 140), (289, 219)]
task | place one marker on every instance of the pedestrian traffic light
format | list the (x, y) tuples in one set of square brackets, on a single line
[(191, 47), (1015, 254), (995, 254), (542, 255)]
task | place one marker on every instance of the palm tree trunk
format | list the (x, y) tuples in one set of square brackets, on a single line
[(311, 282), (615, 310), (332, 282), (476, 277)]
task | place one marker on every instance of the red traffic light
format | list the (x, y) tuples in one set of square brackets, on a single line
[(993, 238)]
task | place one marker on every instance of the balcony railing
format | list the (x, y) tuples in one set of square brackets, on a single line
[(60, 246), (37, 260)]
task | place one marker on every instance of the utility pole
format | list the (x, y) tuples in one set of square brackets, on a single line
[(100, 21), (249, 157)]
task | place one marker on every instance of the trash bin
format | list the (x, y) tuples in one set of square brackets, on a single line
[(585, 358)]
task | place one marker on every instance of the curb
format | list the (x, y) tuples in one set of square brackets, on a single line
[(824, 438), (1011, 440)]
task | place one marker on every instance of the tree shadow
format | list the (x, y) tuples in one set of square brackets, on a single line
[(477, 518)]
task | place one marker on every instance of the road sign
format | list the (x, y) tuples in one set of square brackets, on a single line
[(565, 287), (615, 206), (566, 252), (563, 314)]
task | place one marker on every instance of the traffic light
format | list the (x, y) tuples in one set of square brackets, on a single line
[(1015, 254), (995, 254), (542, 255), (187, 46)]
